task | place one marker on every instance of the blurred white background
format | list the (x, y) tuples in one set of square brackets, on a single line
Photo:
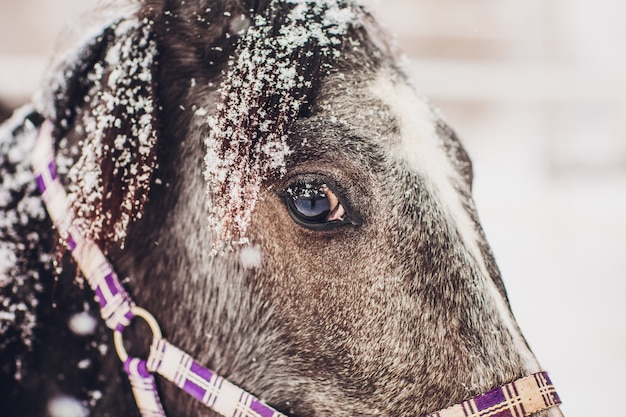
[(537, 91)]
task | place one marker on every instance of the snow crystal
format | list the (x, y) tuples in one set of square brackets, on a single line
[(21, 210), (94, 397), (31, 208), (7, 262), (251, 257), (84, 364), (260, 97), (201, 112), (239, 25), (66, 406), (83, 324), (7, 316)]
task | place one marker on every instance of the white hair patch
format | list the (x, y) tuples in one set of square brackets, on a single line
[(423, 150)]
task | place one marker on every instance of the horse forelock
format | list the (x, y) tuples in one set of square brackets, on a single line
[(271, 81)]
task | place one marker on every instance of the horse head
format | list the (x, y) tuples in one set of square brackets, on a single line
[(296, 215)]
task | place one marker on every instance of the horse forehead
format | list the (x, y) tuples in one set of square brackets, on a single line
[(423, 150), (384, 109), (416, 141)]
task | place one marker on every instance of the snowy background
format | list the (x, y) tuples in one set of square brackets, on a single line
[(537, 91)]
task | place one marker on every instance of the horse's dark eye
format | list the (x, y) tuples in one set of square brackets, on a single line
[(314, 205)]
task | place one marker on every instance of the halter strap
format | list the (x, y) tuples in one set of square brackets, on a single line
[(517, 399), (118, 310), (520, 398)]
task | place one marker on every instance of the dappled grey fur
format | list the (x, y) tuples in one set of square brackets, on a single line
[(388, 315)]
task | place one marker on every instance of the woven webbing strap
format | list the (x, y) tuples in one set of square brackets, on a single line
[(144, 388), (204, 384), (520, 398), (118, 310), (115, 303)]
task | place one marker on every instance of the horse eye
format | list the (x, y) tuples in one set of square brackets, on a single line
[(314, 205)]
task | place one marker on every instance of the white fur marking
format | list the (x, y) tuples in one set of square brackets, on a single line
[(424, 151)]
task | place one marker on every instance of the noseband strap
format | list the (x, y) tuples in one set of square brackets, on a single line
[(520, 398), (517, 399)]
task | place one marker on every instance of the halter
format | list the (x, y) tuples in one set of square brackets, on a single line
[(520, 398)]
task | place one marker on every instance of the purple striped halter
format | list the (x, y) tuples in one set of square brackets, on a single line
[(520, 398)]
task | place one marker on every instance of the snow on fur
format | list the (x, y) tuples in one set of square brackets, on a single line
[(109, 183), (266, 86), (22, 251)]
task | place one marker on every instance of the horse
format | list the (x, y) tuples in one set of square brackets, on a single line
[(263, 177)]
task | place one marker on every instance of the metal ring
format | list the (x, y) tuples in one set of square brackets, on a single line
[(118, 340)]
